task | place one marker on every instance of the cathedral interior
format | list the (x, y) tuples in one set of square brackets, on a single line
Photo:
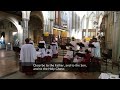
[(16, 26)]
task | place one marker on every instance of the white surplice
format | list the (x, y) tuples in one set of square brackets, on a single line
[(28, 53), (42, 50), (76, 60), (54, 47), (50, 52), (97, 49), (74, 43), (43, 42), (38, 54), (31, 42), (69, 55)]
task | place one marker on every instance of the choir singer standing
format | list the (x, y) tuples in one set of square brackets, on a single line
[(27, 57)]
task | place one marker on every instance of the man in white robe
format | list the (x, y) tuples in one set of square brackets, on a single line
[(27, 57), (75, 46), (97, 48), (74, 43), (54, 47)]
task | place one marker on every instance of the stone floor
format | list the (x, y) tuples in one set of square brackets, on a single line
[(9, 69), (8, 62), (73, 75)]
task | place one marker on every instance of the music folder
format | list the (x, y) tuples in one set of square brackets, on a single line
[(69, 44), (81, 44), (48, 52), (52, 44), (63, 47), (91, 45), (41, 45), (80, 54)]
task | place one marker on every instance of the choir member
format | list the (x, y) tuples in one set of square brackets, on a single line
[(27, 58), (97, 49), (74, 43), (49, 54), (42, 48), (54, 46), (68, 56)]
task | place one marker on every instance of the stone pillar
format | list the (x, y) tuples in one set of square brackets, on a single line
[(73, 21), (51, 26), (51, 30), (25, 29), (25, 20), (70, 23), (87, 23), (52, 16), (97, 20), (116, 36), (20, 34)]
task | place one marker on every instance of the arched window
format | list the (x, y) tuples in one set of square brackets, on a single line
[(3, 34), (83, 22), (100, 19), (92, 19)]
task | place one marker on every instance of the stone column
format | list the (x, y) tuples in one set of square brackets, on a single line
[(25, 20), (51, 30), (51, 26), (116, 36), (73, 21), (70, 23), (25, 29), (97, 20), (87, 23)]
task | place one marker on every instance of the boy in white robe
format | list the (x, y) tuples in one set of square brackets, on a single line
[(49, 54), (42, 50), (68, 56), (78, 58), (54, 46), (38, 56), (38, 53), (74, 43), (27, 57)]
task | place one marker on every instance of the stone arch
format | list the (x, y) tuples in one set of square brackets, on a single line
[(15, 18), (11, 19), (83, 22), (8, 27), (100, 19), (92, 16), (92, 13), (36, 25), (39, 14)]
